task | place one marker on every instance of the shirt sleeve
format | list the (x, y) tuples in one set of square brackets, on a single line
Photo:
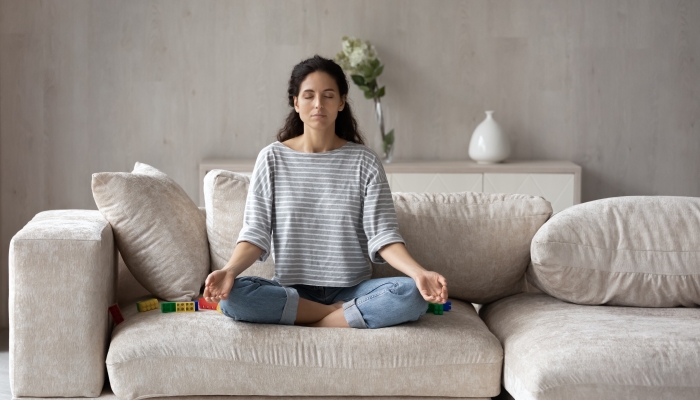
[(259, 208), (379, 220)]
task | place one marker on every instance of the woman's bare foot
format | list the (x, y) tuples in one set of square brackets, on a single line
[(310, 311), (336, 319)]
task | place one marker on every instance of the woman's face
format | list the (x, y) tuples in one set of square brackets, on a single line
[(319, 101)]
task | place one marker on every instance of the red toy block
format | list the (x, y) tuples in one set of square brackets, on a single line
[(206, 305), (116, 314)]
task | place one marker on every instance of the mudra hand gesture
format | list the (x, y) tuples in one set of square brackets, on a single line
[(432, 286)]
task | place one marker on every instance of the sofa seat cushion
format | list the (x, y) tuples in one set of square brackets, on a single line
[(559, 350), (206, 353)]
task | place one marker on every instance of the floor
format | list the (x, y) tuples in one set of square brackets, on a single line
[(5, 365)]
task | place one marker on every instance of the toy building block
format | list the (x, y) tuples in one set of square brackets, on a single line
[(438, 309), (147, 305), (218, 308), (179, 306), (116, 314), (206, 305)]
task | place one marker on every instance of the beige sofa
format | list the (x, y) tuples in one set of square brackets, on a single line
[(65, 271)]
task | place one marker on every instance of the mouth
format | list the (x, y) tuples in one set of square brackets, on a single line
[(318, 115)]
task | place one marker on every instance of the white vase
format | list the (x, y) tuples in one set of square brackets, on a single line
[(489, 144)]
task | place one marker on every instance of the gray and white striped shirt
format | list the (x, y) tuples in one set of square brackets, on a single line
[(326, 214)]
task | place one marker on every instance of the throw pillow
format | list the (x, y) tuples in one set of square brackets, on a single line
[(159, 231), (225, 194), (641, 251)]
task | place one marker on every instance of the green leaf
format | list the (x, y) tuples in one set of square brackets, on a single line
[(358, 79), (381, 92), (378, 71), (388, 141), (389, 137), (374, 63), (369, 94), (364, 88)]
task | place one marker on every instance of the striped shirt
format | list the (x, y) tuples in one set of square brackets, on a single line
[(323, 215)]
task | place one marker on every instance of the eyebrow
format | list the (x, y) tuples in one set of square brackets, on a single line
[(310, 90)]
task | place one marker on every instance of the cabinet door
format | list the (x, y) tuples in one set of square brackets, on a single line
[(435, 183), (557, 188)]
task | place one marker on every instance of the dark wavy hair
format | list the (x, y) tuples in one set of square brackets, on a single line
[(345, 124)]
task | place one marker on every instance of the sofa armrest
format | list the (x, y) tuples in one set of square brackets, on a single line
[(62, 279)]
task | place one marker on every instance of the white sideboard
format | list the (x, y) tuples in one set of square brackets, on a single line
[(557, 181)]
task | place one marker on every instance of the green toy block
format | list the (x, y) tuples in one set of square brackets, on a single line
[(438, 309), (168, 306), (435, 308)]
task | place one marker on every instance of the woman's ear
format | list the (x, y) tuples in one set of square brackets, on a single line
[(296, 104)]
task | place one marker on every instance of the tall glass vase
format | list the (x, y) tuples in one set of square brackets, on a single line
[(387, 137)]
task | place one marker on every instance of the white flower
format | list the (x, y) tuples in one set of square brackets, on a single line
[(356, 54), (357, 57), (347, 47)]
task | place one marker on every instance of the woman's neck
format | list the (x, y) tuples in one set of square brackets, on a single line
[(315, 143)]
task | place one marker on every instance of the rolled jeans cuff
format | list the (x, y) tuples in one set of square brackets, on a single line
[(289, 313), (353, 316)]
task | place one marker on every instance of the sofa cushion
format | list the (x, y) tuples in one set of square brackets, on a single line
[(635, 251), (207, 353), (225, 194), (159, 231), (559, 350), (480, 242)]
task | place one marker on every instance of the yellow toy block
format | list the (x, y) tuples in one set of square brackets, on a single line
[(185, 306), (147, 305), (218, 308)]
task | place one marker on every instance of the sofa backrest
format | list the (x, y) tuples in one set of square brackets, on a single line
[(480, 242)]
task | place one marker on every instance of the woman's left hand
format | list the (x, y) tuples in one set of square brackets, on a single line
[(432, 286)]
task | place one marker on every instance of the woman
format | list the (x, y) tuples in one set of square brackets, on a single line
[(326, 198)]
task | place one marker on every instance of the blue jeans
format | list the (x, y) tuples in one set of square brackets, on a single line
[(374, 303)]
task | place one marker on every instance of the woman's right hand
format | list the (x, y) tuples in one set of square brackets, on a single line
[(218, 285)]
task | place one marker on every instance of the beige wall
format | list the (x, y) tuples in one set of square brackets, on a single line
[(88, 86)]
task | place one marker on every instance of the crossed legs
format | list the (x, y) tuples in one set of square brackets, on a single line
[(383, 302), (313, 314)]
